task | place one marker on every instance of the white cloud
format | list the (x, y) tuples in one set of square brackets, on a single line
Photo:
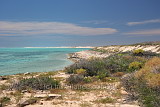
[(144, 22), (96, 21), (33, 28), (145, 32)]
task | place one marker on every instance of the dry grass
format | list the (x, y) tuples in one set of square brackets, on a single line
[(85, 104), (58, 91), (105, 100), (151, 72), (118, 74), (117, 94), (18, 95)]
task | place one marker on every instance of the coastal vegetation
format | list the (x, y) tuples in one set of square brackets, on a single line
[(131, 76), (38, 83), (114, 65), (144, 85), (140, 69)]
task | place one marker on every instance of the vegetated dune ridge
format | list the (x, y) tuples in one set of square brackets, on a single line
[(105, 51)]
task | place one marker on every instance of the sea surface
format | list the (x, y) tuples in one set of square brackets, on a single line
[(22, 60)]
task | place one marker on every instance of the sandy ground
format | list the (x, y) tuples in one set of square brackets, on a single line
[(74, 98)]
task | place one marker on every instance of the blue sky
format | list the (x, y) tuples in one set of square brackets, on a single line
[(78, 22)]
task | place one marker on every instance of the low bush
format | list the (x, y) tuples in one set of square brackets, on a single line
[(145, 83), (130, 83), (87, 79), (105, 100), (80, 71), (151, 72), (146, 54), (135, 66), (138, 52), (4, 100), (139, 89), (80, 79), (39, 83), (91, 67), (75, 79), (148, 96), (107, 66), (3, 87)]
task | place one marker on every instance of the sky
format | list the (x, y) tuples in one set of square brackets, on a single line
[(49, 23)]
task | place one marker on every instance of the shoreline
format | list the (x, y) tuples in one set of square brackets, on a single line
[(59, 61), (107, 51)]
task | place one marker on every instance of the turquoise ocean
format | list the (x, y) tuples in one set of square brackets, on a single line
[(22, 60)]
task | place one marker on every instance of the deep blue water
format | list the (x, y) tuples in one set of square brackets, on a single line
[(22, 60)]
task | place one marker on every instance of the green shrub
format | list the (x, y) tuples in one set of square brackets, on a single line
[(138, 52), (39, 83), (75, 79), (102, 74), (117, 63), (91, 67), (106, 66), (88, 79), (148, 96), (80, 71), (120, 54), (4, 100), (130, 84), (140, 91), (135, 66)]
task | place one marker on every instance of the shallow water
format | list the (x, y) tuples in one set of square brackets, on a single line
[(21, 60)]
